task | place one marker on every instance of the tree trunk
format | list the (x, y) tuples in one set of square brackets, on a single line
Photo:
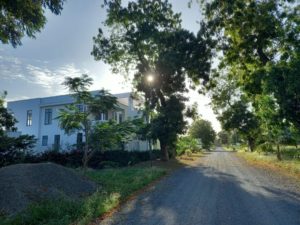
[(251, 144), (164, 151), (85, 158), (278, 153)]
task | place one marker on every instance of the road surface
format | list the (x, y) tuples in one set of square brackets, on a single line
[(222, 190)]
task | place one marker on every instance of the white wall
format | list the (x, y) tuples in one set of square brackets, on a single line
[(40, 129)]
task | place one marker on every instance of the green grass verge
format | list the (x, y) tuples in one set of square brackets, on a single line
[(117, 185)]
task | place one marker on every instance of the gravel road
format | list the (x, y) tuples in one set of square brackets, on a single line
[(222, 190)]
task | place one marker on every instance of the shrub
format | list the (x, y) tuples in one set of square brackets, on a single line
[(188, 153), (187, 143), (265, 148), (100, 160), (15, 150)]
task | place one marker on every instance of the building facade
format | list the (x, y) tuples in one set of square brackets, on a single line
[(38, 117)]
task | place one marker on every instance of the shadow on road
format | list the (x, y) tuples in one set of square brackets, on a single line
[(209, 195)]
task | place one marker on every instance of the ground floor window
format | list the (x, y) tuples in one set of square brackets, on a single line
[(79, 141), (44, 140), (56, 144)]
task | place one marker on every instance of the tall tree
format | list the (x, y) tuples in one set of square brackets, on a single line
[(24, 17), (223, 137), (234, 110), (259, 42), (74, 118), (202, 129), (146, 37)]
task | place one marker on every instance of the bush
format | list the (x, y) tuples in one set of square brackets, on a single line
[(188, 153), (100, 160), (265, 148), (15, 150), (187, 143)]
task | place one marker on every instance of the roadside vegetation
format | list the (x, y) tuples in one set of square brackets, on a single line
[(264, 155), (290, 163), (115, 187)]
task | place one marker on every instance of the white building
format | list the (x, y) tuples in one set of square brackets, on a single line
[(38, 117)]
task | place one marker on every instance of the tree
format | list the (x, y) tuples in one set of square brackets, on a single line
[(186, 143), (202, 129), (24, 17), (234, 109), (167, 124), (259, 44), (239, 117), (146, 37), (223, 137), (74, 118), (12, 149), (272, 124), (107, 135)]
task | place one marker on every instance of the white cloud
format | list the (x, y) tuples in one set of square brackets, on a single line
[(36, 75)]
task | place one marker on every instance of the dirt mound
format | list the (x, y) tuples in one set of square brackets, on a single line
[(23, 184)]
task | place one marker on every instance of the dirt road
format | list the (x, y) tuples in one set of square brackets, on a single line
[(222, 190)]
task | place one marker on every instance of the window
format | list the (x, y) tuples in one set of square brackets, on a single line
[(48, 116), (103, 116), (120, 118), (80, 107), (44, 140), (29, 118), (56, 144), (79, 140)]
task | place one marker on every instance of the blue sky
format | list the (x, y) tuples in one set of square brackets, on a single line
[(38, 67)]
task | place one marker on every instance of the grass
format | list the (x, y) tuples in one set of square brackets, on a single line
[(289, 165), (117, 185)]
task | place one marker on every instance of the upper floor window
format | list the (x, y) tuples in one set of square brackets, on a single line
[(102, 116), (80, 107), (29, 118), (48, 116)]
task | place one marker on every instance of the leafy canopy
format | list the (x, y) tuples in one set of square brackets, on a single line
[(259, 44), (24, 17), (202, 129), (145, 37)]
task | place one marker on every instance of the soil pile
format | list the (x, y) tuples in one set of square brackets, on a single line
[(22, 184)]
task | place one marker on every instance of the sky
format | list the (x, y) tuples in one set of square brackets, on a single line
[(38, 67)]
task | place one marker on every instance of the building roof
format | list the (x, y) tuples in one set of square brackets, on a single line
[(66, 99)]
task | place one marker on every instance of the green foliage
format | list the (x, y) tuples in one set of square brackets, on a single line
[(74, 158), (259, 44), (224, 137), (202, 129), (15, 150), (266, 147), (24, 17), (168, 123), (111, 135), (146, 37), (73, 119), (12, 149), (187, 143), (116, 186), (234, 109)]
